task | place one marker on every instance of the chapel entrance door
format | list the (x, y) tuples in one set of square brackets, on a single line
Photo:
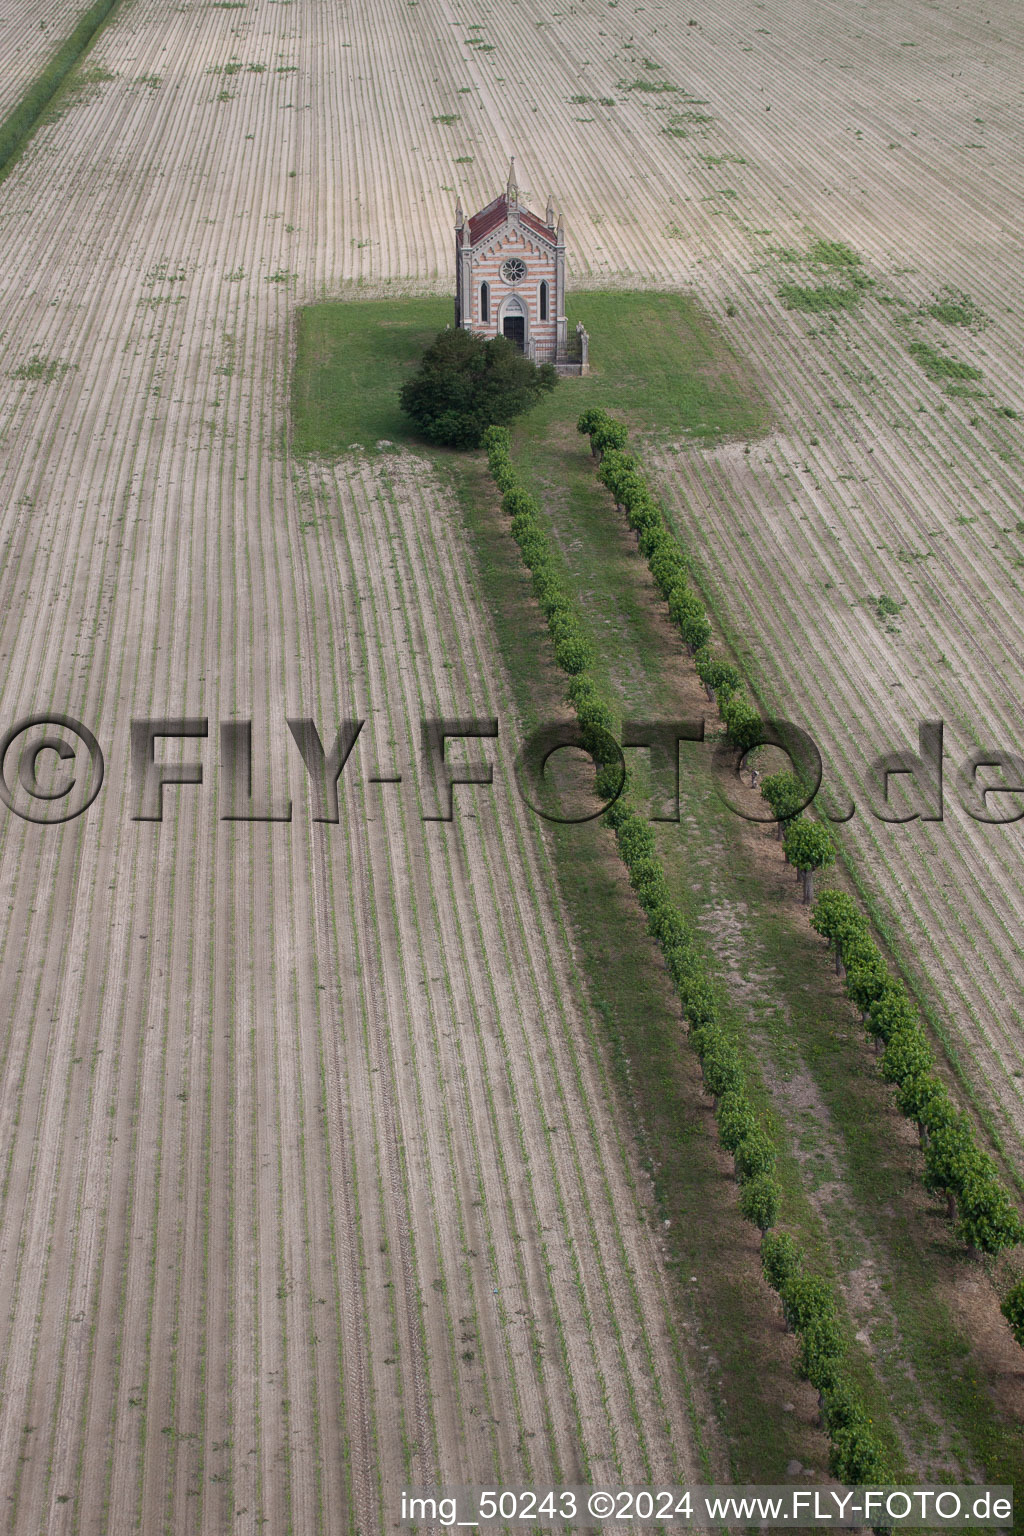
[(514, 327)]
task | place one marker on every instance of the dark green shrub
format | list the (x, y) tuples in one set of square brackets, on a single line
[(822, 1349), (668, 565), (754, 1155), (720, 1066), (465, 384), (759, 1202), (988, 1219), (687, 612), (1012, 1309), (907, 1055), (590, 420), (736, 1118), (856, 1456), (608, 434), (573, 653), (743, 724), (805, 1299), (892, 1012), (781, 1260)]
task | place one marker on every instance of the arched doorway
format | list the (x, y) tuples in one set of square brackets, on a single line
[(513, 321)]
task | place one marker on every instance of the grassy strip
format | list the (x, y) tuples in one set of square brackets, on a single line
[(954, 1164), (809, 1303), (21, 122)]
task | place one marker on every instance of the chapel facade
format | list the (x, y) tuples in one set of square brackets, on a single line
[(510, 280)]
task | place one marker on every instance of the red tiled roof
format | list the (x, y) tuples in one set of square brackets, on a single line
[(487, 219), (494, 215), (532, 222)]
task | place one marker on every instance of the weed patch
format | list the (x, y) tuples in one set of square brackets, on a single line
[(937, 365)]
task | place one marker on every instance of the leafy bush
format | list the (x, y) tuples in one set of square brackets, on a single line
[(668, 565), (590, 420), (759, 1202), (917, 1097), (856, 1457), (1012, 1309), (866, 973), (720, 1065), (754, 1155), (742, 723), (785, 794), (805, 1299), (837, 918), (465, 384), (988, 1219), (891, 1013), (607, 435), (687, 612), (573, 653), (719, 677), (821, 1350), (736, 1119), (907, 1055), (781, 1260)]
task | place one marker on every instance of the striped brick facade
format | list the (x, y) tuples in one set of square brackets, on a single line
[(483, 243)]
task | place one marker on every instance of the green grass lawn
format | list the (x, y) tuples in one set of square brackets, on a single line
[(656, 360)]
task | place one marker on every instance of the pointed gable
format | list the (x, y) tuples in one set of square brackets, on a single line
[(495, 214)]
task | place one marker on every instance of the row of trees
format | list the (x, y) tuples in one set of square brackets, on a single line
[(809, 1302), (954, 1165), (808, 844)]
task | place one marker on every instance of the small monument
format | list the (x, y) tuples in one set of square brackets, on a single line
[(510, 280)]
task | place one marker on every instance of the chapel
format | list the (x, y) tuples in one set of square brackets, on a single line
[(510, 280)]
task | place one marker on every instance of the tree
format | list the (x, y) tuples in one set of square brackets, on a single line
[(465, 384), (1013, 1310), (754, 1155), (917, 1098), (687, 611), (989, 1221), (821, 1351), (759, 1202), (950, 1158), (720, 1064), (837, 918), (620, 473), (743, 724), (736, 1119), (606, 435), (891, 1013), (786, 797), (809, 846), (719, 677), (867, 974), (668, 565), (806, 1299), (589, 420), (856, 1456), (907, 1055), (780, 1259)]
